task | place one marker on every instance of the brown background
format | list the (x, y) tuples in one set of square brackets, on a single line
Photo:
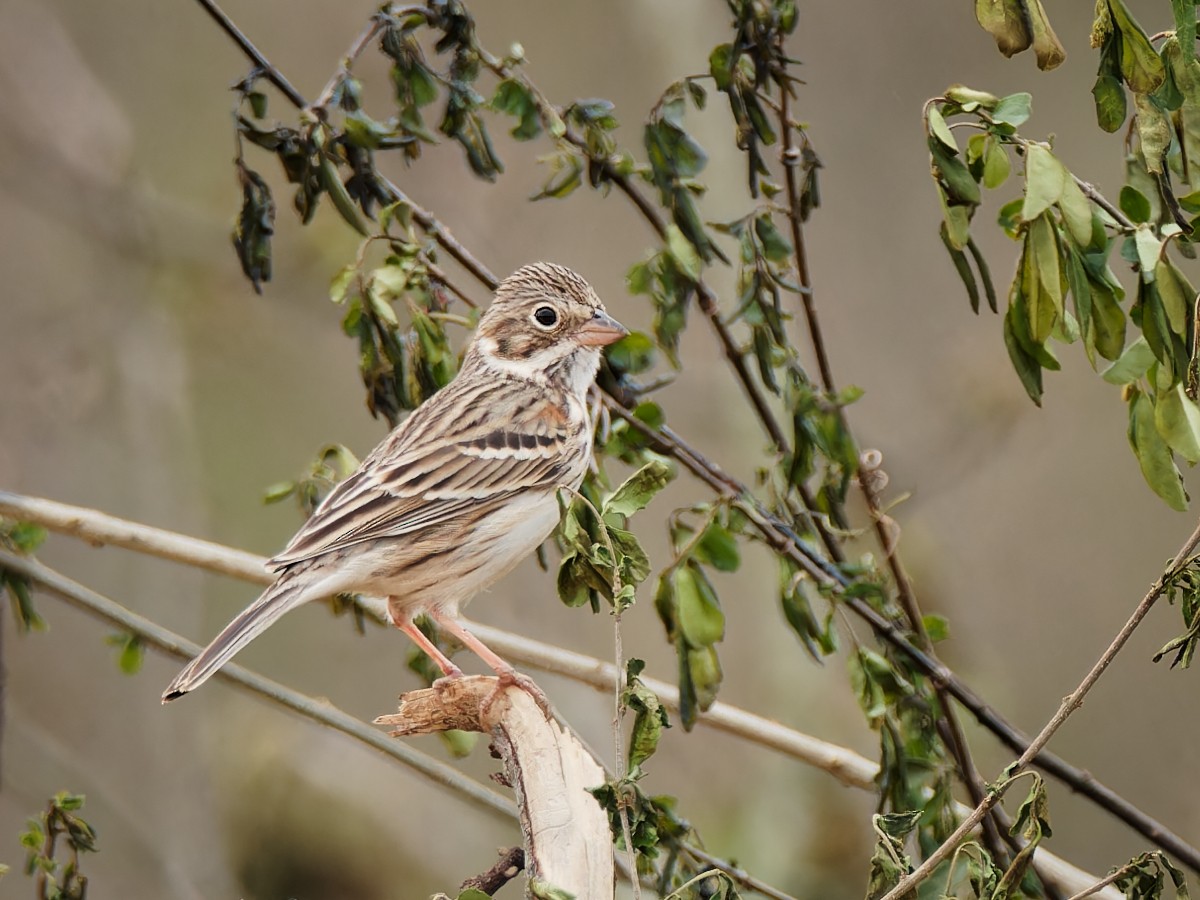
[(141, 376)]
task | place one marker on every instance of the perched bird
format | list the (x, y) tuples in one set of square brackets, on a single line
[(460, 491)]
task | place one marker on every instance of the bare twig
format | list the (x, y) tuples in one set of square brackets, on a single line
[(1071, 703), (507, 867), (373, 26)]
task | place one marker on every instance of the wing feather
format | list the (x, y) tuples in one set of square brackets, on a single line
[(446, 461)]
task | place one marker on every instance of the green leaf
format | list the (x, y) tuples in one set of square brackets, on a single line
[(962, 266), (775, 246), (1028, 368), (342, 202), (1014, 109), (996, 164), (632, 354), (638, 489), (1153, 454), (953, 175), (940, 130), (1185, 27), (1178, 421), (1076, 212), (650, 716), (970, 99), (683, 252), (1141, 66), (1149, 247), (1134, 204), (937, 627), (1131, 365), (701, 621), (1109, 97), (1044, 178), (1178, 296), (130, 655), (718, 548)]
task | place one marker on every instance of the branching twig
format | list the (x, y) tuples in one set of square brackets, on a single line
[(1071, 703)]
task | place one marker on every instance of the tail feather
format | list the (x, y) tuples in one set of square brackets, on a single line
[(286, 594)]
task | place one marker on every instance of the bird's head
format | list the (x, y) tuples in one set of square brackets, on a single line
[(545, 322)]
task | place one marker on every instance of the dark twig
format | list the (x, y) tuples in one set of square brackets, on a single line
[(360, 44), (948, 725), (791, 157), (775, 534), (261, 63), (507, 867)]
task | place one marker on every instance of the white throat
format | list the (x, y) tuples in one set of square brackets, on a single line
[(579, 365)]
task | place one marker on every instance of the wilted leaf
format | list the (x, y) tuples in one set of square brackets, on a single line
[(1008, 22), (1141, 66), (1131, 365), (701, 621), (638, 489), (1178, 421), (1153, 454), (1044, 178)]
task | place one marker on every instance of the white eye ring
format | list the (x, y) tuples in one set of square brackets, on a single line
[(545, 317)]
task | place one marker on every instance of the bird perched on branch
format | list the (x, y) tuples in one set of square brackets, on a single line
[(460, 491)]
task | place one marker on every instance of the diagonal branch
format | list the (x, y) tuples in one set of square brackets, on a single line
[(1070, 703), (322, 712)]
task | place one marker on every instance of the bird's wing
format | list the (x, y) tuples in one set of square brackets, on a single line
[(460, 455)]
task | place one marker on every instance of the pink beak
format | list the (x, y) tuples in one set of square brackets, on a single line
[(600, 331)]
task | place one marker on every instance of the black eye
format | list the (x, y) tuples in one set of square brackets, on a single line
[(545, 316)]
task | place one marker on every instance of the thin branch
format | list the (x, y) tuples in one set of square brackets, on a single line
[(324, 713), (949, 728), (1071, 703), (791, 156), (261, 63), (374, 24)]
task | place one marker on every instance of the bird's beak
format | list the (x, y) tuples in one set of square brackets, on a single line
[(601, 330)]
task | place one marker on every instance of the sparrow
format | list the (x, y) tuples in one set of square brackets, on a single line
[(460, 491)]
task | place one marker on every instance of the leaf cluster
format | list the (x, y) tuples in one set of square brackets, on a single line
[(1068, 233), (58, 879)]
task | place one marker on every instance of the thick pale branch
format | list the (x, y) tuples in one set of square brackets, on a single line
[(567, 840)]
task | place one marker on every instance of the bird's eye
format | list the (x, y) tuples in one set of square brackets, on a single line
[(545, 316)]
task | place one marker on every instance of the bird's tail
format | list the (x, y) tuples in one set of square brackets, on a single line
[(284, 595)]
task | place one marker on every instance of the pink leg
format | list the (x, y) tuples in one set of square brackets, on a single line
[(449, 669), (508, 675)]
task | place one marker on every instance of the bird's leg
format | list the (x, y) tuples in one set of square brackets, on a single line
[(508, 675), (449, 669)]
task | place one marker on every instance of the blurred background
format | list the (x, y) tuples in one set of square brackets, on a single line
[(142, 376)]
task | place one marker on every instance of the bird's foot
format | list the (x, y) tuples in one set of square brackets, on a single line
[(510, 677)]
